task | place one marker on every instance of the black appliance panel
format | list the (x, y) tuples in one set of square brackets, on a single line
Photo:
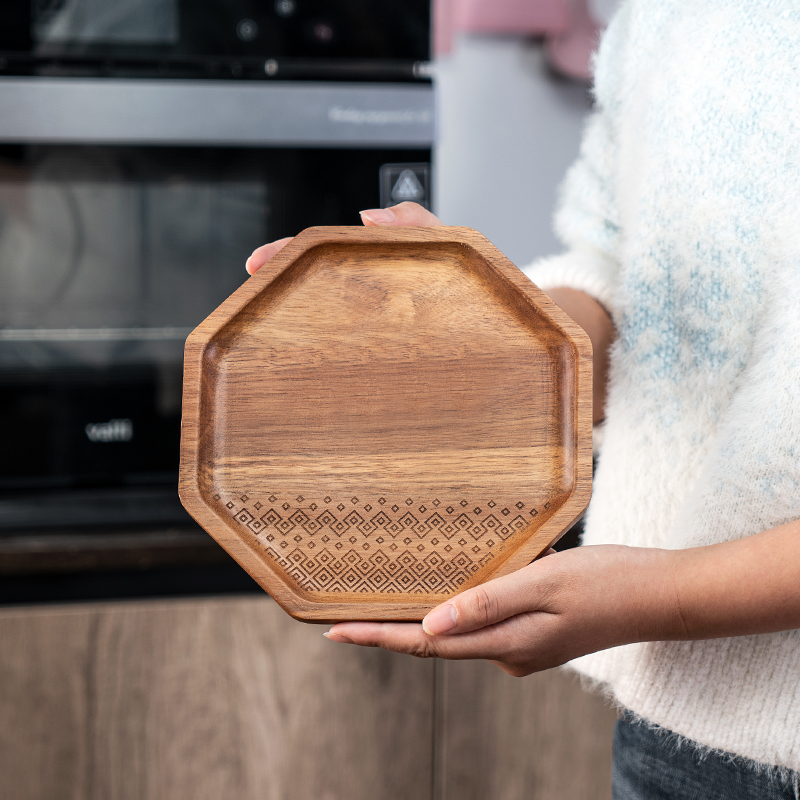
[(109, 256), (220, 38)]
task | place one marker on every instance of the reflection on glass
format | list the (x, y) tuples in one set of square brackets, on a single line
[(114, 271), (117, 21)]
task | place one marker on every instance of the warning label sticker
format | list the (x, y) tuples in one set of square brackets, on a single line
[(407, 187), (405, 182)]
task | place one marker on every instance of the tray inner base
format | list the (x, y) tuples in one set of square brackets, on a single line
[(387, 423)]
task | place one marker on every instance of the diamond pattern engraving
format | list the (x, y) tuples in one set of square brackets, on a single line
[(365, 558)]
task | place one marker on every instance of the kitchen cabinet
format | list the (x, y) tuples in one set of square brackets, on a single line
[(230, 698), (502, 738)]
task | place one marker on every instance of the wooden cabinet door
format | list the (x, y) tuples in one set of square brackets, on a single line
[(535, 738), (230, 698), (213, 698)]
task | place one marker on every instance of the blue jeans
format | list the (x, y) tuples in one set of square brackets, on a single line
[(649, 765)]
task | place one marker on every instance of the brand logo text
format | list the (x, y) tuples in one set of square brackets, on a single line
[(115, 430)]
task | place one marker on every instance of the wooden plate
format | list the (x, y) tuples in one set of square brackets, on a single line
[(383, 417)]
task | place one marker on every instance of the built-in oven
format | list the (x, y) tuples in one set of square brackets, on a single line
[(146, 148)]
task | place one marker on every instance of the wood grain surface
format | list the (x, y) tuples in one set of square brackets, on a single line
[(228, 698), (381, 418), (204, 700), (540, 737)]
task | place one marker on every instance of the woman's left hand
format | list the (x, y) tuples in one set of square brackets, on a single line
[(396, 216), (553, 610)]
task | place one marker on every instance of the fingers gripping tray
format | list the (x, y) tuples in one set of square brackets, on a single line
[(383, 417)]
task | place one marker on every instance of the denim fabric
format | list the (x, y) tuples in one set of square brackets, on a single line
[(651, 765)]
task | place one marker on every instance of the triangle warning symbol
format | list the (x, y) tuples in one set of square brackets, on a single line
[(407, 187)]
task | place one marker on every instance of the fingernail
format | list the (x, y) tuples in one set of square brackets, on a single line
[(337, 637), (378, 216), (440, 620)]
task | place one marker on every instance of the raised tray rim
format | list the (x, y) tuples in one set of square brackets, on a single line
[(298, 604)]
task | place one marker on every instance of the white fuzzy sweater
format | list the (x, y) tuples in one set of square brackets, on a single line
[(682, 216)]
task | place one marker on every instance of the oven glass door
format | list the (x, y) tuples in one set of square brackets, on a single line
[(109, 257), (207, 38)]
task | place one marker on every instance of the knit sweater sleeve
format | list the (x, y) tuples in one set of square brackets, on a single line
[(586, 219)]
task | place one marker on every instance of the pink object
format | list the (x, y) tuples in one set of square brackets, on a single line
[(571, 52), (571, 33), (443, 26), (513, 16)]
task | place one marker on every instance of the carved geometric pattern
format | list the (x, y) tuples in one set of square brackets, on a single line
[(379, 545)]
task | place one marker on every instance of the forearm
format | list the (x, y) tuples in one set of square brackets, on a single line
[(747, 586), (594, 319)]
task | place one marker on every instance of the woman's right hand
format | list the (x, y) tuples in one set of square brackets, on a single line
[(399, 215)]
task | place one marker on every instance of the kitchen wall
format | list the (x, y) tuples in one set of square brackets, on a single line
[(509, 129)]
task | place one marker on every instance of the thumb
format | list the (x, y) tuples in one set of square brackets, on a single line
[(528, 589), (402, 214)]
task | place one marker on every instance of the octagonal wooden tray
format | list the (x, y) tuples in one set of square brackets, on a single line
[(383, 417)]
